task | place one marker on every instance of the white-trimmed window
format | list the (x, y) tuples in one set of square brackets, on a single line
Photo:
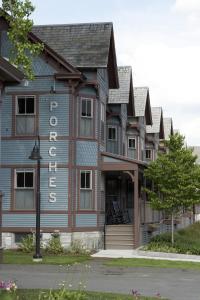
[(148, 154), (86, 190), (86, 108), (24, 190), (112, 133), (86, 124), (131, 143), (25, 115)]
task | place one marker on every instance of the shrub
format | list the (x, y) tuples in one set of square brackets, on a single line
[(54, 245), (27, 244), (77, 248), (62, 294)]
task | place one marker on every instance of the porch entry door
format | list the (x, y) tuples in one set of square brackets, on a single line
[(112, 196), (112, 190)]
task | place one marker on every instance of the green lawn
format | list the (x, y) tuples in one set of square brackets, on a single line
[(143, 262), (33, 294), (17, 257)]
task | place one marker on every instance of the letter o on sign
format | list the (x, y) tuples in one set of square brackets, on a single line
[(53, 121)]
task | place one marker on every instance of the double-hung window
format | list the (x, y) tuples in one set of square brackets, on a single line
[(132, 148), (86, 124), (24, 190), (86, 190), (131, 143), (25, 115), (112, 133), (148, 153)]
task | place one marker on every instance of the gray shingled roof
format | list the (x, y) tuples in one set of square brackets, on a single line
[(168, 127), (82, 45), (156, 118), (121, 95), (140, 98)]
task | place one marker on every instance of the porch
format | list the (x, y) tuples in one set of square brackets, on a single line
[(123, 182)]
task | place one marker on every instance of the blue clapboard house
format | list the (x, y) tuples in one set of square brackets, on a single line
[(92, 132)]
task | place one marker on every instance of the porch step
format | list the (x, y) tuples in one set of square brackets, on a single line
[(115, 237), (119, 237), (119, 228), (118, 247)]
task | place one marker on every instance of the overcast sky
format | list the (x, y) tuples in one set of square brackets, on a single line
[(160, 39)]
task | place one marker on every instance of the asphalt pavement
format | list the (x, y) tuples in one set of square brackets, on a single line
[(174, 284)]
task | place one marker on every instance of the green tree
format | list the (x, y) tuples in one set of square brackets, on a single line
[(17, 13), (176, 179)]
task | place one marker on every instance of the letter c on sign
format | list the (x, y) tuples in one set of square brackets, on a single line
[(51, 151)]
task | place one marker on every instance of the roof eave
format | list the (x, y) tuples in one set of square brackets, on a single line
[(9, 72)]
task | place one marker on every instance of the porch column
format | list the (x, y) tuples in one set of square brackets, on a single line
[(136, 216)]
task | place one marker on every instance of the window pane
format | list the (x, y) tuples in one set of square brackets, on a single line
[(20, 124), (86, 199), (82, 180), (29, 199), (21, 106), (87, 185), (20, 179), (89, 108), (86, 127), (25, 125), (132, 143), (30, 106), (30, 125), (83, 113), (29, 179), (111, 133), (24, 199)]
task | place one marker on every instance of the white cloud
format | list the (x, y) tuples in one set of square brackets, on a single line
[(187, 6)]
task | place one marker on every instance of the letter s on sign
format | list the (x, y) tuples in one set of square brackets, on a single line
[(52, 197)]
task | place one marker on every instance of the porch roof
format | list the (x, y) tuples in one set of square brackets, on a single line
[(114, 162)]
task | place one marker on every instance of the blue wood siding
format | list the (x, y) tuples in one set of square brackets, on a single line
[(61, 190), (39, 84), (18, 151), (6, 115), (61, 112), (5, 187), (28, 220), (86, 220), (86, 153)]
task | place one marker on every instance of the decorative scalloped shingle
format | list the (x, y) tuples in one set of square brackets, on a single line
[(82, 45), (156, 118), (140, 98), (121, 95)]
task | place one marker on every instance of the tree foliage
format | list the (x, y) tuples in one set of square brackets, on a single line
[(17, 13), (176, 178)]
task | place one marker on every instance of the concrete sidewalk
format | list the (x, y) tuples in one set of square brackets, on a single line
[(146, 254)]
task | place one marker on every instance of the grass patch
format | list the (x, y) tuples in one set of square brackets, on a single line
[(187, 241), (33, 295), (144, 262), (17, 257)]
